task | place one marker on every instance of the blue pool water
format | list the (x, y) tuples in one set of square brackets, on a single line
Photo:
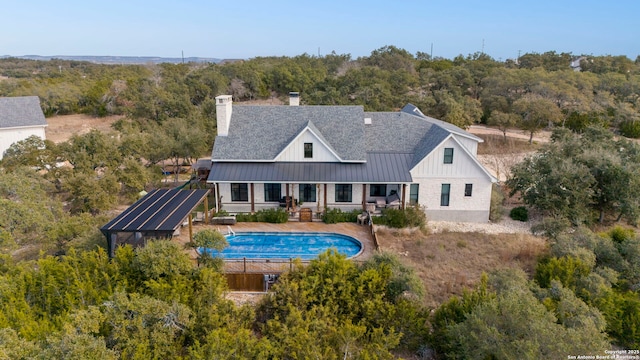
[(281, 245)]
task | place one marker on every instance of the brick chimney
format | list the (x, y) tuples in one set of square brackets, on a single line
[(223, 114), (294, 98)]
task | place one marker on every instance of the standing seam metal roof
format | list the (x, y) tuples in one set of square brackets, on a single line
[(379, 168)]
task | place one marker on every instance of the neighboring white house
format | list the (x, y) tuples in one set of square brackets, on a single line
[(343, 157), (20, 117)]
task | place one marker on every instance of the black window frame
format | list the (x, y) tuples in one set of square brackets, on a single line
[(240, 192), (414, 190), (468, 190), (448, 156), (308, 150), (302, 192), (380, 190), (272, 192), (343, 193), (445, 195)]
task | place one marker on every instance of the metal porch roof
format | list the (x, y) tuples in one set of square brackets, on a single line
[(379, 168)]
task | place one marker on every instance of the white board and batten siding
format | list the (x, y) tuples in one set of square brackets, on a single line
[(8, 136), (432, 172), (295, 150), (433, 164), (470, 144)]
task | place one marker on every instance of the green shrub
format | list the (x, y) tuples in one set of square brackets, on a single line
[(221, 213), (415, 216), (630, 129), (619, 234), (496, 209), (274, 216), (246, 217), (519, 213), (398, 218), (334, 216)]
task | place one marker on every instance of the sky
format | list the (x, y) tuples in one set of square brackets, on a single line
[(246, 28)]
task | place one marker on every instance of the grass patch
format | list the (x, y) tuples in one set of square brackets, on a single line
[(497, 145), (449, 262)]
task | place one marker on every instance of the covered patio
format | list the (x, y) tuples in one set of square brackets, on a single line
[(159, 214)]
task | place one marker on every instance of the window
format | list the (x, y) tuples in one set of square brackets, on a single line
[(448, 155), (468, 189), (308, 150), (307, 192), (413, 194), (239, 192), (343, 192), (378, 190), (444, 196), (272, 192)]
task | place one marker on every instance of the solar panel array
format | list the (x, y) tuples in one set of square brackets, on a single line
[(160, 210)]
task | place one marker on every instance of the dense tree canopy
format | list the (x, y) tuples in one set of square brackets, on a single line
[(576, 175)]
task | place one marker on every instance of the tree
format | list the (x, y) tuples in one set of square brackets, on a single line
[(142, 327), (576, 174), (208, 241), (32, 151), (536, 113), (504, 121), (515, 325)]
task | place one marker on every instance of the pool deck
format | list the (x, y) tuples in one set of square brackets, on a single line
[(359, 232)]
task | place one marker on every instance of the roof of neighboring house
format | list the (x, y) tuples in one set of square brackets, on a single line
[(161, 210), (260, 133), (379, 168), (21, 111)]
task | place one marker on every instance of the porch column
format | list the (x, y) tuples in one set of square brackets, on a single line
[(253, 205), (286, 197), (364, 197), (325, 197), (218, 198), (404, 194)]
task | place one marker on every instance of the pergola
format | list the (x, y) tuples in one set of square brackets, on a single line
[(159, 214)]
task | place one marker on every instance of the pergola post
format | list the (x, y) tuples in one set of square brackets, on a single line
[(206, 209), (111, 245)]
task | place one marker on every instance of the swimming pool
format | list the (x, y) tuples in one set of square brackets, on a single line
[(285, 245)]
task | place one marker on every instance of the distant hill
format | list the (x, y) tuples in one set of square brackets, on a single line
[(120, 59)]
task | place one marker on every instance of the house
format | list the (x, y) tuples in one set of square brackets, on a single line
[(322, 157), (20, 117)]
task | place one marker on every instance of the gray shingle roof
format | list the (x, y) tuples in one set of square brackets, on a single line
[(21, 111), (260, 133), (379, 168), (412, 109)]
